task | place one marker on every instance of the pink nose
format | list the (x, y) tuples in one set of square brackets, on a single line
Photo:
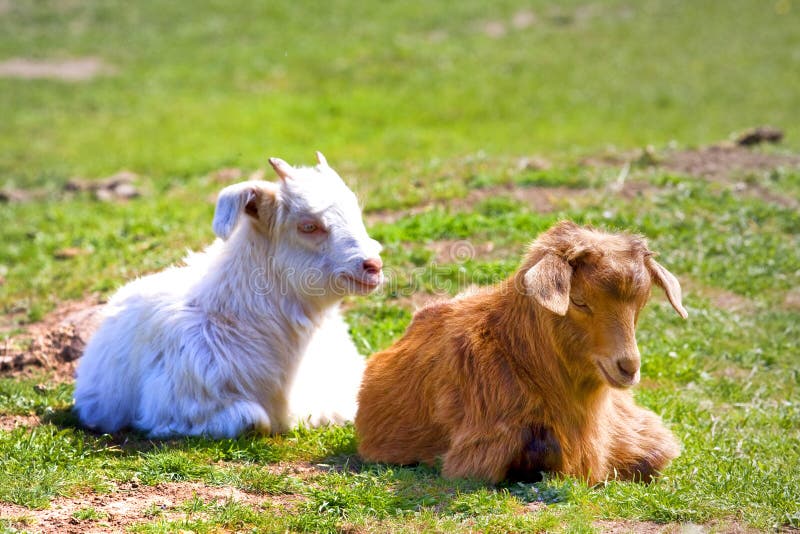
[(373, 265)]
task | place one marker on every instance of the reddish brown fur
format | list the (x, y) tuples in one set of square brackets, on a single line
[(500, 383)]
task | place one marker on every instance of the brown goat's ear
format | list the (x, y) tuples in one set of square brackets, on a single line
[(549, 283), (667, 281)]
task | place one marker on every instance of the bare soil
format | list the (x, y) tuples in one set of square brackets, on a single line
[(540, 199), (126, 504), (459, 251), (649, 527), (118, 186), (792, 299), (732, 164), (70, 70), (54, 344), (10, 422), (721, 298)]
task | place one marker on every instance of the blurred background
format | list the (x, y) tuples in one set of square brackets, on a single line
[(120, 121), (170, 89)]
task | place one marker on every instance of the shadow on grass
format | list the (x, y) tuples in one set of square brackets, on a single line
[(330, 449), (319, 466), (334, 443)]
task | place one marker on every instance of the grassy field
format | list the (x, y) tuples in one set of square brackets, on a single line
[(426, 109)]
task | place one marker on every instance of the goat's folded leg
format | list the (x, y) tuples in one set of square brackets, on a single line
[(219, 421), (540, 453), (642, 446), (483, 452)]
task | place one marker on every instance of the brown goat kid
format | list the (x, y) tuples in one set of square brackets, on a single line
[(530, 375)]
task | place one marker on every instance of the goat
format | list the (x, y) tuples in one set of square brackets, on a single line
[(527, 376), (213, 347)]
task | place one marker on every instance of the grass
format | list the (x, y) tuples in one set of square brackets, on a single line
[(413, 102), (209, 86), (726, 382)]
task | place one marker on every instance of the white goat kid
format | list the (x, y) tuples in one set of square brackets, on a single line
[(248, 333)]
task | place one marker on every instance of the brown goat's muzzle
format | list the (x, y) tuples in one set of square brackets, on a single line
[(620, 372)]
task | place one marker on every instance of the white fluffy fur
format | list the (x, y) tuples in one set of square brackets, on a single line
[(240, 336)]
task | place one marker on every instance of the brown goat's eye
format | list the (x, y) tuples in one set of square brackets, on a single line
[(579, 303)]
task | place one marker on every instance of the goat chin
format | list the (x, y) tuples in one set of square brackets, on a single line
[(222, 344)]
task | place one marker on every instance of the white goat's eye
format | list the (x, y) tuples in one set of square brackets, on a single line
[(307, 227)]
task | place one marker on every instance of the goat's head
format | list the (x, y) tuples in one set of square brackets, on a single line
[(595, 284), (312, 220)]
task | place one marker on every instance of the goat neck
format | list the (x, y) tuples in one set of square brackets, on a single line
[(243, 283)]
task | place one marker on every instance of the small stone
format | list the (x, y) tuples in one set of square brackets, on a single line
[(115, 180), (68, 253), (77, 184), (126, 191), (104, 195), (533, 163), (758, 135)]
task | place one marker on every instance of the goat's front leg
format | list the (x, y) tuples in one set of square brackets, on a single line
[(643, 447), (483, 452), (540, 453)]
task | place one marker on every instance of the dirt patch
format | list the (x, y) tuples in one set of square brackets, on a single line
[(10, 422), (545, 199), (119, 186), (459, 251), (70, 70), (792, 299), (720, 298), (53, 344), (16, 195), (638, 527), (539, 199), (725, 162), (305, 470), (729, 163), (650, 527), (495, 29), (127, 504)]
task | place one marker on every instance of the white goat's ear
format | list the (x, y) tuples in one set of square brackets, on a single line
[(321, 161), (232, 202), (549, 283), (282, 169), (667, 281)]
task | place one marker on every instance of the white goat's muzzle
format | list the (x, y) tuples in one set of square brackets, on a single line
[(366, 278)]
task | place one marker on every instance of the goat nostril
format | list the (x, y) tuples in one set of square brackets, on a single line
[(627, 367), (373, 265)]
